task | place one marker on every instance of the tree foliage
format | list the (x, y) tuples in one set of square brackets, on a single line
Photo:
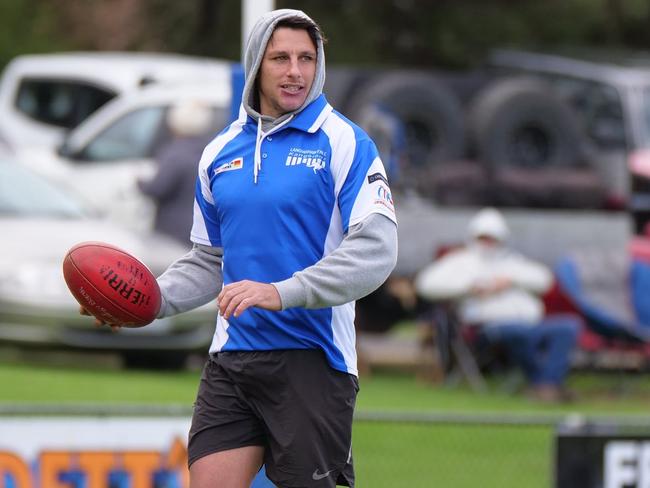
[(447, 33), (28, 26), (455, 33)]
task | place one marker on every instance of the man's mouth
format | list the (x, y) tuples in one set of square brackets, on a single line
[(291, 88)]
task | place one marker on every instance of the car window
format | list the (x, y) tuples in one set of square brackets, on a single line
[(137, 134), (62, 103), (130, 137), (605, 123), (25, 194), (600, 108)]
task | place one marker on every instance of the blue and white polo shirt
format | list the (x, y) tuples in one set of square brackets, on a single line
[(317, 175)]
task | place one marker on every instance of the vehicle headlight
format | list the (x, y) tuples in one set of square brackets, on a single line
[(35, 283)]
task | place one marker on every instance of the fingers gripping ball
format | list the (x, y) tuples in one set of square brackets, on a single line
[(111, 284)]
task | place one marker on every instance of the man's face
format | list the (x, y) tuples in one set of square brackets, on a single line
[(488, 241), (287, 71)]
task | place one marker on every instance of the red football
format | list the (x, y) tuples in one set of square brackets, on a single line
[(111, 284)]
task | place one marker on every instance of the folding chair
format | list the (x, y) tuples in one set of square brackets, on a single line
[(455, 355), (622, 287)]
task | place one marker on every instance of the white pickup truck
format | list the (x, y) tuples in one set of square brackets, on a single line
[(92, 122), (42, 96)]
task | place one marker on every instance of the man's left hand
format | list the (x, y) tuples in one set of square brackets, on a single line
[(235, 298)]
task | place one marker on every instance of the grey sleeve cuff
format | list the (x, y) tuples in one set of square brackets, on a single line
[(191, 281), (163, 308), (360, 264), (292, 293)]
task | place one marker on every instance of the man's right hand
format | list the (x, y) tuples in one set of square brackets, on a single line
[(99, 323)]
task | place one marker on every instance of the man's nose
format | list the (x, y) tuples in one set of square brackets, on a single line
[(294, 67)]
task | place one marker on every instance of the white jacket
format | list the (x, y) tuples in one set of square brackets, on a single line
[(453, 277)]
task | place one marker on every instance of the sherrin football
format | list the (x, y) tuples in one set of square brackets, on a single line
[(111, 284)]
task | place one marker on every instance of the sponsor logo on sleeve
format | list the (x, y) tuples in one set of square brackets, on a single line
[(231, 166), (377, 177), (384, 197)]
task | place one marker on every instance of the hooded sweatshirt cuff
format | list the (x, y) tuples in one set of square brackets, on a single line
[(292, 293), (163, 308)]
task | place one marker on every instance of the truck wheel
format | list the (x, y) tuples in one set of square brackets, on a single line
[(431, 116), (520, 122)]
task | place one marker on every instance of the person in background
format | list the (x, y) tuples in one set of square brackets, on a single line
[(499, 290), (190, 123)]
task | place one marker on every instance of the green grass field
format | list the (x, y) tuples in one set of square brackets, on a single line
[(404, 454), (35, 382)]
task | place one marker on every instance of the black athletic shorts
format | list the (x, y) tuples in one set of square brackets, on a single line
[(291, 402)]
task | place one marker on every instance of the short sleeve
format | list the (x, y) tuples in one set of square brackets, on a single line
[(205, 227), (366, 189)]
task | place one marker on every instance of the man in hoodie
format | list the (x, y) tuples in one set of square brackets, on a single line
[(500, 290), (293, 222)]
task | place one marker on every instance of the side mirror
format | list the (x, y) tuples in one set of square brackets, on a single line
[(63, 149), (66, 151)]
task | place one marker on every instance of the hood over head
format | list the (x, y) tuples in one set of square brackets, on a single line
[(489, 222), (254, 52)]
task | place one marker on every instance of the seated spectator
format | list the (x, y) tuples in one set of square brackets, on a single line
[(499, 291), (609, 290)]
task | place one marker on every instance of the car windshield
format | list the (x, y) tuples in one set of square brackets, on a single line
[(25, 194), (599, 107), (131, 137)]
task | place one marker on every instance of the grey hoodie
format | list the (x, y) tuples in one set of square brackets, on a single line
[(361, 263), (255, 47)]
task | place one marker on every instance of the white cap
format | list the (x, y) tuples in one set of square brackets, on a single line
[(189, 118), (489, 222)]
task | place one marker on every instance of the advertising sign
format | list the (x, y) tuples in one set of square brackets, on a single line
[(95, 452), (603, 456)]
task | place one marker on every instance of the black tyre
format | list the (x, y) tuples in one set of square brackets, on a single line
[(431, 115), (521, 122)]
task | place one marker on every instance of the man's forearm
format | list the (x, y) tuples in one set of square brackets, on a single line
[(362, 262), (191, 281)]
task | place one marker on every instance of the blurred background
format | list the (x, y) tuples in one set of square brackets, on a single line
[(400, 33), (541, 109)]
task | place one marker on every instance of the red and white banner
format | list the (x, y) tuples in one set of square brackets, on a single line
[(89, 452)]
